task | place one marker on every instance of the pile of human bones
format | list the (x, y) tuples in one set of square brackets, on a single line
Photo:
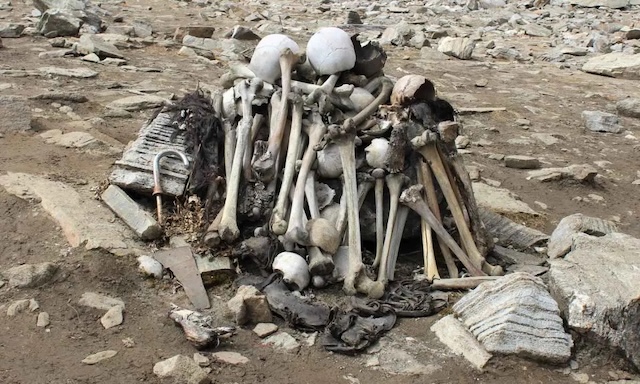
[(330, 159)]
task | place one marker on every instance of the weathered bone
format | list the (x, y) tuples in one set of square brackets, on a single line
[(235, 72), (228, 229), (315, 130), (278, 222), (320, 264), (229, 146), (430, 266), (310, 194), (326, 88), (427, 147), (412, 197), (323, 234), (365, 184), (212, 237), (395, 182), (398, 230), (265, 167), (378, 174), (258, 119)]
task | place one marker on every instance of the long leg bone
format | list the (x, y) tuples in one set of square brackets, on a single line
[(246, 162), (229, 230), (398, 230), (412, 197), (430, 266), (229, 146), (356, 279), (278, 223), (432, 201), (378, 174), (310, 193), (365, 183), (395, 182), (426, 146), (295, 231), (265, 166), (326, 88)]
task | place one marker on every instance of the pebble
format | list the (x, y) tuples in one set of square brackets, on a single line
[(17, 307), (580, 377), (98, 357), (231, 358), (201, 359), (112, 318), (98, 301), (265, 329), (43, 320)]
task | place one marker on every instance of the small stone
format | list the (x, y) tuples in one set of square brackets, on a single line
[(30, 275), (201, 359), (580, 377), (16, 115), (595, 197), (92, 58), (536, 30), (523, 122), (597, 121), (150, 266), (17, 307), (11, 30), (629, 107), (353, 17), (462, 142), (249, 306), (481, 83), (112, 318), (282, 341), (139, 220), (95, 44), (98, 301), (546, 138), (265, 329), (373, 361), (33, 305), (43, 320), (98, 357), (521, 162), (137, 103), (505, 53), (232, 358), (195, 31), (128, 342), (461, 48), (182, 370), (431, 54)]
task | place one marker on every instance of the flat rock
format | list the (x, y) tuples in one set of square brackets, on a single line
[(181, 369), (43, 320), (546, 138), (629, 107), (95, 44), (452, 333), (516, 315), (98, 301), (458, 47), (521, 162), (265, 329), (615, 64), (500, 200), (137, 103), (601, 3), (138, 219), (11, 30), (596, 286), (16, 114), (68, 140), (80, 73), (571, 226), (30, 275), (537, 30), (58, 22), (83, 219), (249, 305), (597, 121), (577, 172), (231, 358), (201, 359), (282, 341), (17, 307), (113, 317), (98, 357)]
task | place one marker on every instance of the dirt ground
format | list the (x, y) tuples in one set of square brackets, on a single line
[(551, 98)]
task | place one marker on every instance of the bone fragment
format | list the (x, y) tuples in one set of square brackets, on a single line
[(378, 174), (398, 230), (430, 266), (395, 182)]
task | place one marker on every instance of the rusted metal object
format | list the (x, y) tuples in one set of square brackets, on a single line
[(157, 188)]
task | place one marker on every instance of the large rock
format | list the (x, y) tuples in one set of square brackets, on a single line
[(181, 369), (596, 286), (95, 44), (562, 237), (16, 114), (629, 107), (57, 22), (459, 47), (516, 315), (615, 64), (30, 275), (597, 121)]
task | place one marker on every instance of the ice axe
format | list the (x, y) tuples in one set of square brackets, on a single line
[(157, 188)]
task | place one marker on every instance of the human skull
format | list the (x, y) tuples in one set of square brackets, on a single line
[(265, 62), (330, 51), (294, 269)]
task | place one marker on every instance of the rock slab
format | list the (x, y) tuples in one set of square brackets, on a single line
[(615, 64), (597, 121), (521, 162), (30, 275), (98, 301), (516, 315), (500, 200), (568, 228), (182, 370), (454, 335), (16, 114), (139, 220), (596, 286)]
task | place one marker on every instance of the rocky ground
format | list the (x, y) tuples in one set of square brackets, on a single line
[(63, 117)]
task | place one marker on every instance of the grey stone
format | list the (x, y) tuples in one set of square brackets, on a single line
[(91, 58), (231, 358), (98, 357), (546, 138), (80, 73), (16, 114), (137, 103), (505, 53), (265, 329), (521, 162), (537, 30), (615, 64), (629, 107), (68, 140), (500, 200), (597, 121), (459, 47), (432, 54), (596, 286), (11, 30), (282, 341), (398, 35), (43, 320), (113, 317), (195, 31), (181, 369), (452, 333), (30, 275), (150, 266), (231, 49), (139, 220), (571, 226), (601, 3), (249, 306), (201, 359), (56, 22), (143, 29), (577, 172), (516, 315), (17, 307), (95, 44), (98, 301), (33, 305), (633, 34)]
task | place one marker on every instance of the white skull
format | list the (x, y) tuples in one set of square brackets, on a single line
[(265, 62), (330, 51), (294, 269)]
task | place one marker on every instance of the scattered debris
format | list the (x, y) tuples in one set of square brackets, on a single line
[(282, 341), (198, 328)]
